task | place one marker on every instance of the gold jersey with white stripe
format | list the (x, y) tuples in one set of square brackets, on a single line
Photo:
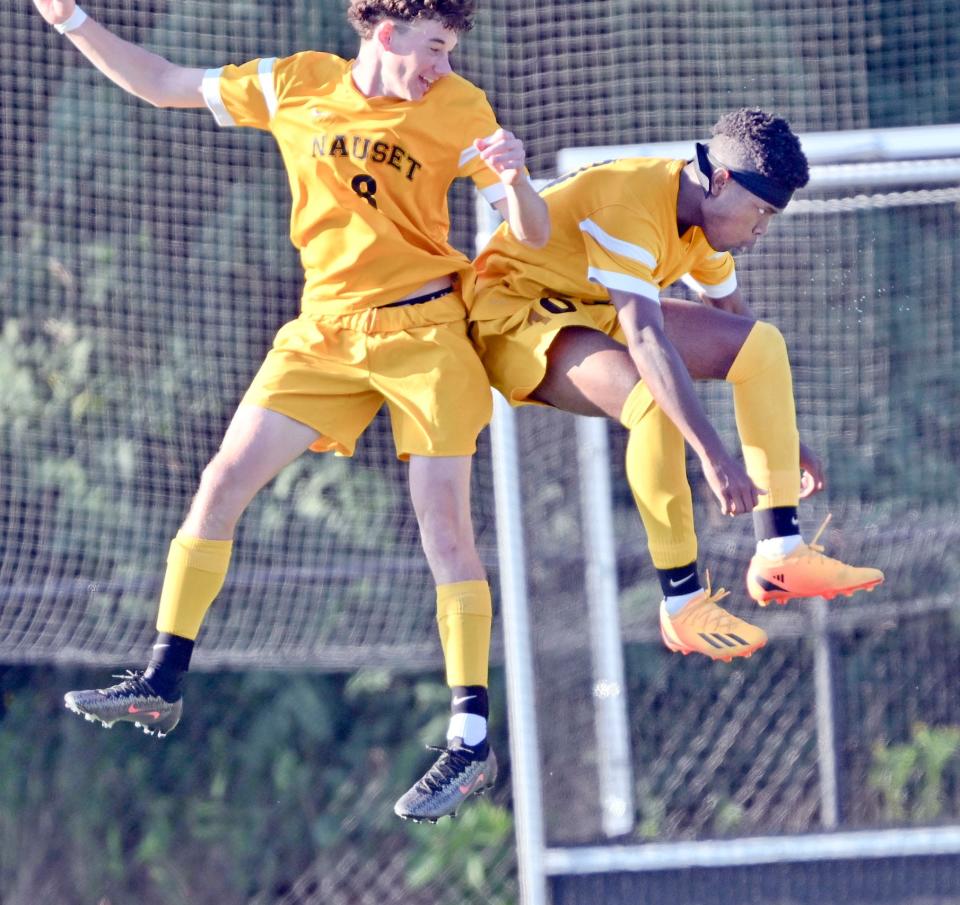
[(613, 226), (369, 176)]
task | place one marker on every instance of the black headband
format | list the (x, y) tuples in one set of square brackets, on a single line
[(763, 187)]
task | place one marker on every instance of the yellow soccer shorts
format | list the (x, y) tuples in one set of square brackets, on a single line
[(514, 348), (334, 373)]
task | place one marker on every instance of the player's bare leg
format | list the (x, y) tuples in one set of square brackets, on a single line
[(440, 490), (257, 445)]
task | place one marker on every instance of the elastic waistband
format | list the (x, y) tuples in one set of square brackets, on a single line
[(420, 299)]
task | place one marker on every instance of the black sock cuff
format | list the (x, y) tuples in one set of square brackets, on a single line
[(680, 580), (175, 654), (780, 521), (169, 662), (469, 699)]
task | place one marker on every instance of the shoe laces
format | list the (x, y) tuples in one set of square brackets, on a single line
[(715, 618), (813, 546), (451, 763), (132, 684)]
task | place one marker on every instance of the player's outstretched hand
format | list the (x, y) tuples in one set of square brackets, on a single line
[(731, 484), (812, 480), (503, 152), (55, 11)]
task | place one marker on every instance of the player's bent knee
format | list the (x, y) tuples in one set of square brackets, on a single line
[(763, 349), (446, 537), (772, 339), (224, 486)]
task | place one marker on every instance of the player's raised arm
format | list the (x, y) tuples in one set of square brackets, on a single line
[(142, 73), (523, 208), (662, 370)]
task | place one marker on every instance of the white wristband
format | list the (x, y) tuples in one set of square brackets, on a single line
[(77, 18)]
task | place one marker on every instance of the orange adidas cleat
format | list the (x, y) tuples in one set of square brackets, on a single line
[(806, 572), (702, 627)]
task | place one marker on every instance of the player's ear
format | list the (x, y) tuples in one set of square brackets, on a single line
[(718, 180), (384, 33)]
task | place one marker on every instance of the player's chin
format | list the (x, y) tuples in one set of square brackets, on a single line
[(420, 87)]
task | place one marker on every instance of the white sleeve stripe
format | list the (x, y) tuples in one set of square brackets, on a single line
[(267, 88), (494, 193), (624, 283), (467, 155), (210, 87), (618, 246), (717, 291)]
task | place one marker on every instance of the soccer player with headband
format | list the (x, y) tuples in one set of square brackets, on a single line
[(580, 325), (371, 146)]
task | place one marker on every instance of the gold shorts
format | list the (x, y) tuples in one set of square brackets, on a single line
[(514, 348), (334, 373)]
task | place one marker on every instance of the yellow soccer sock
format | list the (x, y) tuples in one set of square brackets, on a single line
[(657, 474), (766, 415), (196, 569), (464, 617)]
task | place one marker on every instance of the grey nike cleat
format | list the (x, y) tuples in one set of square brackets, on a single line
[(457, 774), (132, 701)]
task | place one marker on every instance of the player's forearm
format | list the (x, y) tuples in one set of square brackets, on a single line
[(527, 213), (140, 72), (662, 370)]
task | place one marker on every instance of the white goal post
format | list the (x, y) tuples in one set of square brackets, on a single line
[(912, 159)]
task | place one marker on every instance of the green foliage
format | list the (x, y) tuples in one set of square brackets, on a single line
[(910, 777), (464, 852), (354, 506)]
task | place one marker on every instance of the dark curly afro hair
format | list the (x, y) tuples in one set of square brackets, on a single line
[(764, 144), (364, 15)]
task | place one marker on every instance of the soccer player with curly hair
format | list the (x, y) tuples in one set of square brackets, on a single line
[(580, 325), (371, 147)]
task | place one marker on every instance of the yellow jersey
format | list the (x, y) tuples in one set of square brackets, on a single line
[(369, 176), (613, 226)]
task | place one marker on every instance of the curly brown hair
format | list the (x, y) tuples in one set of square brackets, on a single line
[(765, 144), (364, 15)]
